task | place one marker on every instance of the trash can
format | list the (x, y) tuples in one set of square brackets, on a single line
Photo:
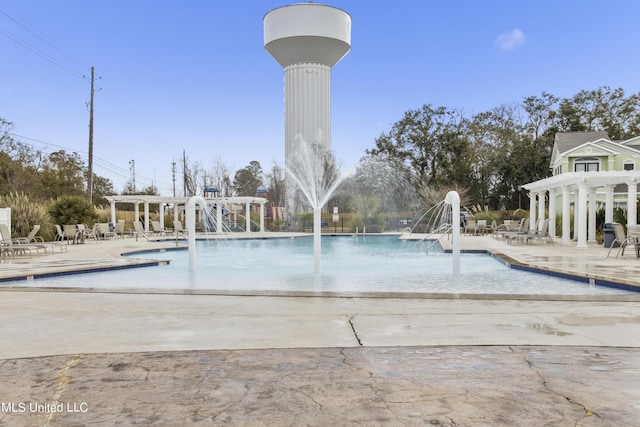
[(609, 235)]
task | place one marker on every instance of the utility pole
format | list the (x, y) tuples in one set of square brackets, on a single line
[(132, 174), (90, 171), (173, 176), (184, 171)]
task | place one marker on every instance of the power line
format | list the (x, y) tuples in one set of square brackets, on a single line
[(37, 33), (41, 53), (102, 163)]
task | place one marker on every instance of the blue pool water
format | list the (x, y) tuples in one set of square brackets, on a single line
[(350, 264)]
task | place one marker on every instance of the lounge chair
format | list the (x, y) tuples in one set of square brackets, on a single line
[(623, 240), (33, 238), (120, 229), (519, 228), (138, 230), (179, 228), (543, 233), (506, 226), (523, 234), (157, 228), (13, 247)]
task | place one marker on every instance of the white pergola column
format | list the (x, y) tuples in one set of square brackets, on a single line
[(136, 211), (532, 211), (262, 216), (552, 212), (576, 214), (583, 191), (541, 205), (146, 216), (248, 217), (112, 203), (566, 215), (176, 212), (608, 203), (161, 211), (591, 235), (632, 197), (219, 219)]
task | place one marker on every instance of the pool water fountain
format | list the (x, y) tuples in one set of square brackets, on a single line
[(313, 170), (191, 226), (453, 200)]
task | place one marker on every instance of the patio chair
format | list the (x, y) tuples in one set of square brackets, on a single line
[(105, 231), (481, 227), (623, 240), (70, 233), (86, 232), (59, 234), (470, 226)]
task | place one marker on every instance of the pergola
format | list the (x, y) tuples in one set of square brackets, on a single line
[(162, 201), (584, 190)]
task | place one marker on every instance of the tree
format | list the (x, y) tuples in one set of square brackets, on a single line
[(276, 185), (247, 180), (541, 114), (18, 164), (388, 179), (101, 187), (220, 176), (63, 174), (191, 177), (601, 109), (430, 142)]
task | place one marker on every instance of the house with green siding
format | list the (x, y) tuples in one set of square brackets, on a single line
[(589, 171)]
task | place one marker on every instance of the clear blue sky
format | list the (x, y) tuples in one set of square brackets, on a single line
[(194, 74)]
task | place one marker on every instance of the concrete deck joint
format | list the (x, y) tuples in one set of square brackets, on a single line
[(353, 329)]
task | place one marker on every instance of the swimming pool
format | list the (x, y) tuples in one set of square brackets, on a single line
[(350, 264)]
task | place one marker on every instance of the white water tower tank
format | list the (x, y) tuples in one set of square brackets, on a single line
[(307, 40)]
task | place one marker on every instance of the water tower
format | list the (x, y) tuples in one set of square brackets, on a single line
[(307, 40)]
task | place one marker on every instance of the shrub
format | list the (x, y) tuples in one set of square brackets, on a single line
[(25, 214), (72, 210)]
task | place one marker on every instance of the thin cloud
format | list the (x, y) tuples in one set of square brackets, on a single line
[(510, 40)]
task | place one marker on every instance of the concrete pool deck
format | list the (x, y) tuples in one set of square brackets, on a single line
[(136, 358)]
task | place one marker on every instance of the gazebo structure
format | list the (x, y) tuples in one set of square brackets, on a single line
[(589, 170), (585, 190), (179, 204)]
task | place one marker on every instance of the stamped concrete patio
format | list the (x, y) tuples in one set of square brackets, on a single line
[(96, 358)]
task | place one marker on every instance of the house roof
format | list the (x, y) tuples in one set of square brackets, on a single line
[(565, 141), (590, 149), (592, 179)]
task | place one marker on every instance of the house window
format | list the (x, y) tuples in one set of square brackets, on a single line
[(586, 164), (629, 165)]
